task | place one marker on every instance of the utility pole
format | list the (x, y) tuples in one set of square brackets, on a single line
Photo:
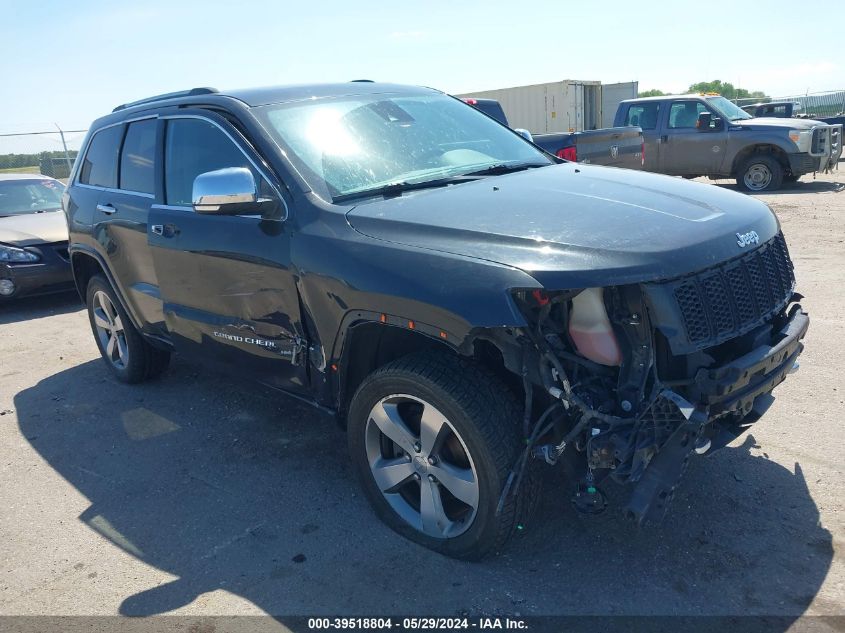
[(67, 155)]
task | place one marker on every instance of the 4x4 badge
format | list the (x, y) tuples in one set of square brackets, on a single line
[(744, 239)]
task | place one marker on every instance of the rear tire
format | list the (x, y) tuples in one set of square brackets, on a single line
[(760, 172), (476, 422), (127, 354)]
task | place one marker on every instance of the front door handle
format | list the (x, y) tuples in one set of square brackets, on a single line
[(664, 138), (106, 208), (158, 229)]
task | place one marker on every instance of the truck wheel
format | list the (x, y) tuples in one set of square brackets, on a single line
[(760, 172), (129, 357), (433, 440)]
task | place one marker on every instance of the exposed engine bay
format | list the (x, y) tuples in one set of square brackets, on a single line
[(630, 381)]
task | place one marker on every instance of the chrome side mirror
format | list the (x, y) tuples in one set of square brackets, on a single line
[(524, 134), (227, 191)]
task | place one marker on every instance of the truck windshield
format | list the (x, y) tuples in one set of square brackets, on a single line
[(19, 197), (731, 111), (362, 143)]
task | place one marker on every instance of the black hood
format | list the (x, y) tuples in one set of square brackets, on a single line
[(575, 225)]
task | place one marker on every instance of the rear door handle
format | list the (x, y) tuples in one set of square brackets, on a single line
[(158, 229), (664, 138), (106, 208)]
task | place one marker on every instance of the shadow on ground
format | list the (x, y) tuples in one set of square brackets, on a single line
[(15, 310), (229, 487), (806, 185)]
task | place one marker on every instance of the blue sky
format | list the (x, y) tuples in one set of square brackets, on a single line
[(69, 62)]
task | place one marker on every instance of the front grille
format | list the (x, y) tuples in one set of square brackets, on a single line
[(729, 300), (819, 142)]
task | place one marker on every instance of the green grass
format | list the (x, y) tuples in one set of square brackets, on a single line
[(21, 170)]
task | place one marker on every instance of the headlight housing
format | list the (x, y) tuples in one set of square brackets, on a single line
[(15, 255), (585, 319), (801, 138)]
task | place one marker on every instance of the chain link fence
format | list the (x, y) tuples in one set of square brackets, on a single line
[(812, 105), (48, 152)]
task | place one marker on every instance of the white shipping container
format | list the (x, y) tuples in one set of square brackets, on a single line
[(561, 106), (612, 95)]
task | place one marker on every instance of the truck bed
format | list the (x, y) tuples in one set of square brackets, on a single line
[(613, 146)]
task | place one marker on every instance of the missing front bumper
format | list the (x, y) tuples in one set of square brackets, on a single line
[(733, 397)]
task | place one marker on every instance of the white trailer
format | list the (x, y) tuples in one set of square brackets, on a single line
[(561, 106), (612, 95)]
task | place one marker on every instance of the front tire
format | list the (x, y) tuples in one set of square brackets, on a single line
[(432, 440), (128, 356), (760, 172)]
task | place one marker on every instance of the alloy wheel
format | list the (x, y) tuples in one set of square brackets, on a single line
[(422, 466), (110, 331)]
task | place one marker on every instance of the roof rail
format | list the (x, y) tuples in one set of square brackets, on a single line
[(170, 95), (361, 81)]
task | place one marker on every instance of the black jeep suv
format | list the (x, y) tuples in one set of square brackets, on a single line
[(468, 306)]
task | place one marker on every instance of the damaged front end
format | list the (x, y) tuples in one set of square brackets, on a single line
[(637, 378)]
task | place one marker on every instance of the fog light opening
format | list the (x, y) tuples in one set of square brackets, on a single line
[(7, 287)]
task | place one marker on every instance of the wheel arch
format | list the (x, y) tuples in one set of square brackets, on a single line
[(770, 149), (369, 345), (85, 263)]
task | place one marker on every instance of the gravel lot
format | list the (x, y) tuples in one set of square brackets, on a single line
[(198, 495)]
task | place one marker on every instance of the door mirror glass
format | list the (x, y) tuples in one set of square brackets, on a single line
[(228, 191)]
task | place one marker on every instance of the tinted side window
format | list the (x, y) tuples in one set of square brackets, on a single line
[(193, 147), (136, 157), (643, 115), (100, 164), (684, 114)]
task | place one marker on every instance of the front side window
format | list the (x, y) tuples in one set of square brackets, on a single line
[(193, 147), (358, 143), (99, 167), (643, 115), (684, 114), (137, 157), (19, 197)]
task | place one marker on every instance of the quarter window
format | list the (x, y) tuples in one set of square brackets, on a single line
[(643, 115), (193, 147), (136, 158), (99, 167)]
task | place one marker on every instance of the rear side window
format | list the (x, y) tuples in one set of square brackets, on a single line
[(136, 158), (99, 167), (643, 115), (193, 147)]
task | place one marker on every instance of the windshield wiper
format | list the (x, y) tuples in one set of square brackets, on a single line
[(505, 168), (398, 188)]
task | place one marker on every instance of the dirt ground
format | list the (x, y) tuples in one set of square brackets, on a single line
[(196, 495)]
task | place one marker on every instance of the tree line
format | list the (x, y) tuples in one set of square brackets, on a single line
[(724, 88), (13, 161)]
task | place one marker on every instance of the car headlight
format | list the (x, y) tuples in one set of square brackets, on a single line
[(17, 255), (801, 138)]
